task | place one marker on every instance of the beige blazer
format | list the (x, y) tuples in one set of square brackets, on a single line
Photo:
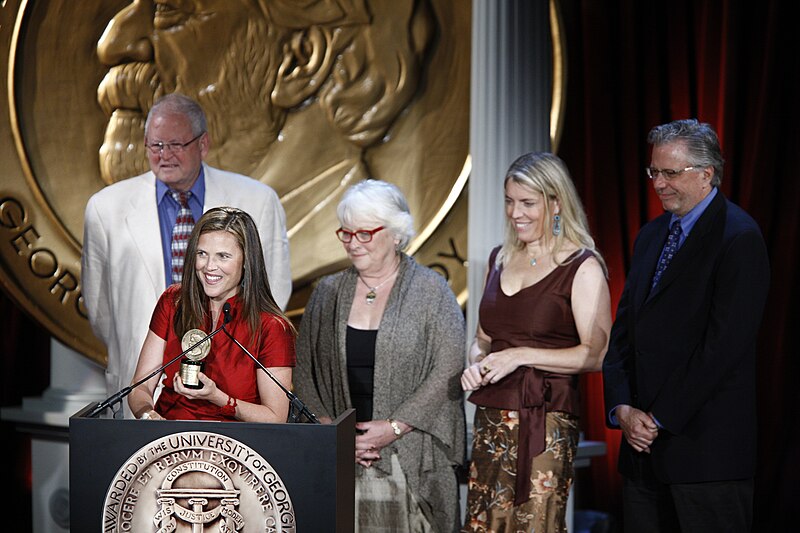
[(122, 268)]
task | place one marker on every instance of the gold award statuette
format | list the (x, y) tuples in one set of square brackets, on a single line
[(193, 364)]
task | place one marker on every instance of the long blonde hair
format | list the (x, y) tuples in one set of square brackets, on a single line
[(547, 174)]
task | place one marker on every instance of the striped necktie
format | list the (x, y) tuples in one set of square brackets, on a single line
[(184, 222), (670, 248)]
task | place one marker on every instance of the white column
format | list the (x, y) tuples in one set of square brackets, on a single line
[(510, 97), (509, 115)]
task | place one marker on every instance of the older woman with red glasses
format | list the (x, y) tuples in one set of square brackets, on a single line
[(386, 337)]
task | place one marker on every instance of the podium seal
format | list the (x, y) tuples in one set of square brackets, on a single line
[(197, 481)]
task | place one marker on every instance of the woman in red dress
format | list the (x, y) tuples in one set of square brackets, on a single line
[(224, 264)]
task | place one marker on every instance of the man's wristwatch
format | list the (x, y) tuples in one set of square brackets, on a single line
[(395, 427)]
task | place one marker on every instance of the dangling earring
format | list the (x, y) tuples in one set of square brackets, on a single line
[(556, 225)]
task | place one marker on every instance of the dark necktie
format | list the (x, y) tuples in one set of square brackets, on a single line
[(184, 222), (670, 248)]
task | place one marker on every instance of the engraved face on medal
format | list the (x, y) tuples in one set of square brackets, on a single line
[(192, 337), (306, 97)]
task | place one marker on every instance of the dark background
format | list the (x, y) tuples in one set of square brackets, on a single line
[(635, 64), (631, 65)]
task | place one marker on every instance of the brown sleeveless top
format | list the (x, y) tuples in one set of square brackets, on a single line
[(539, 316)]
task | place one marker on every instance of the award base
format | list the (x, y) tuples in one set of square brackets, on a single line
[(189, 371)]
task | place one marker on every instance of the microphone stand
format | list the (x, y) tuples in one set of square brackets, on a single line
[(294, 401), (117, 397)]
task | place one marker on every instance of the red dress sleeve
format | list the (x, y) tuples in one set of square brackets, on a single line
[(277, 347), (163, 314)]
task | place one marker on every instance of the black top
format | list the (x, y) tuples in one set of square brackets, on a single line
[(360, 347)]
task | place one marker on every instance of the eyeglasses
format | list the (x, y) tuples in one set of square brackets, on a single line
[(173, 148), (668, 173), (361, 235)]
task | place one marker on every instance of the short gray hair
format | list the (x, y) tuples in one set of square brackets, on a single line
[(381, 202), (179, 104), (700, 140)]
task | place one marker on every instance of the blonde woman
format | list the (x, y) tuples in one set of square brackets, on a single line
[(544, 318)]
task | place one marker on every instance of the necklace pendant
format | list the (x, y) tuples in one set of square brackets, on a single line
[(533, 261), (370, 298)]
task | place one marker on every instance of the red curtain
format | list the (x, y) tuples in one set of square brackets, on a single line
[(633, 65)]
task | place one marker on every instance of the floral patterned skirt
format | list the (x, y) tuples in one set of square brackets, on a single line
[(493, 471)]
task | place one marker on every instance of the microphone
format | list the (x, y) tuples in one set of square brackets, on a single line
[(118, 396), (226, 311), (294, 401)]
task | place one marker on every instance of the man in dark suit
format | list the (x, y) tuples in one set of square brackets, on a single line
[(679, 375)]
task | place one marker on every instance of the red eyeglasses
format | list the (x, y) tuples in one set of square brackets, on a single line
[(361, 235)]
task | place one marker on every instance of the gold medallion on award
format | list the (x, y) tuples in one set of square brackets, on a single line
[(193, 364)]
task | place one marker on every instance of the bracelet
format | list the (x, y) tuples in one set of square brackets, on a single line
[(145, 415), (229, 409)]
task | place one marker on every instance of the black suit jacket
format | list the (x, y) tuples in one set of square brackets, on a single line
[(687, 352)]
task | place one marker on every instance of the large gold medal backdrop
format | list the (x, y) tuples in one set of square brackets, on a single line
[(308, 97)]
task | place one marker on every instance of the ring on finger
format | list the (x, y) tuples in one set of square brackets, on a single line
[(485, 368)]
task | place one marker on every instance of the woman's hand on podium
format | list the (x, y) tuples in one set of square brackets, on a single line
[(151, 415)]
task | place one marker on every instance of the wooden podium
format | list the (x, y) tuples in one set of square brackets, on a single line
[(189, 475)]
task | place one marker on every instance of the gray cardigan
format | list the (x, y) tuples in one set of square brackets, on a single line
[(419, 357)]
